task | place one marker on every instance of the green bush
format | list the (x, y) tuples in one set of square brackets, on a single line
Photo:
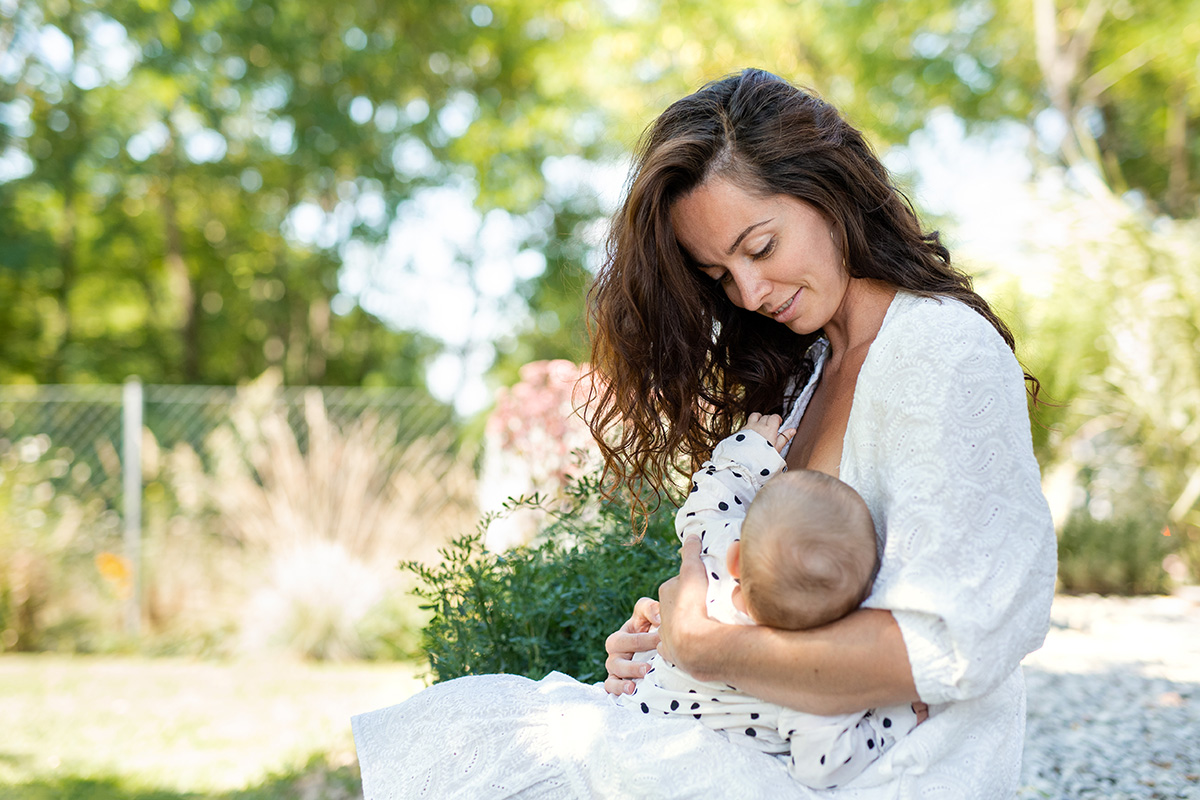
[(1123, 555), (548, 605)]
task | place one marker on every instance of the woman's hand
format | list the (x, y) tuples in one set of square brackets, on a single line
[(633, 637), (685, 622)]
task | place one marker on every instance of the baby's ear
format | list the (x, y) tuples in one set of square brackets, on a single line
[(733, 559)]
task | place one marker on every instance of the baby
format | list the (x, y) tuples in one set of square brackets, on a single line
[(803, 554)]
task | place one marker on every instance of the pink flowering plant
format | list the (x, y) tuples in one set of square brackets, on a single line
[(539, 421)]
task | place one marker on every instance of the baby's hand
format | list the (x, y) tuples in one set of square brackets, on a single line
[(768, 428)]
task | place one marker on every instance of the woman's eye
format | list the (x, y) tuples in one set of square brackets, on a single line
[(724, 279), (766, 251)]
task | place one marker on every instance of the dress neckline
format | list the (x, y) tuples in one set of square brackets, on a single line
[(818, 351)]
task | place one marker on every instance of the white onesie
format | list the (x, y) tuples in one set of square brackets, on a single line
[(821, 752)]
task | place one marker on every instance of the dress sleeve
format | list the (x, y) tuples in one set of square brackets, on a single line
[(969, 560)]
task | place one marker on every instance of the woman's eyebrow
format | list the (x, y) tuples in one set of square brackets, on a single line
[(743, 235)]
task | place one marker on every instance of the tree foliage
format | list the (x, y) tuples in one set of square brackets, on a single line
[(182, 182), (185, 185)]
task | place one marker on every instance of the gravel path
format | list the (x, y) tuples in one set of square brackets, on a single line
[(1114, 700)]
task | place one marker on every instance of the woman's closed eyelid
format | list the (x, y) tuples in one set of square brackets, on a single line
[(767, 249)]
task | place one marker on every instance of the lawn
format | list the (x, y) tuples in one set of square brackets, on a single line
[(115, 728)]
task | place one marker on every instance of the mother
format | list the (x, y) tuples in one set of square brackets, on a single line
[(763, 261)]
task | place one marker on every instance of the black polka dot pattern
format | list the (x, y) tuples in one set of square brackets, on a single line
[(724, 492)]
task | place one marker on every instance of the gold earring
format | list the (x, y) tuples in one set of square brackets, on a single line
[(835, 244)]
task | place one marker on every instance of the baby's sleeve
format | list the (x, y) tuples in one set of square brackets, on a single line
[(726, 484)]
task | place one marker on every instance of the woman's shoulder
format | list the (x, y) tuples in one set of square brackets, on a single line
[(927, 342), (938, 326), (936, 313)]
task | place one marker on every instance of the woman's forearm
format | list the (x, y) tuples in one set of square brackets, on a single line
[(856, 663)]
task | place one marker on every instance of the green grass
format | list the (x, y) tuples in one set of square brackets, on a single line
[(162, 729)]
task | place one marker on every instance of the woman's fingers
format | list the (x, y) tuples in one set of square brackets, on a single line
[(690, 565), (634, 636), (646, 613), (622, 645)]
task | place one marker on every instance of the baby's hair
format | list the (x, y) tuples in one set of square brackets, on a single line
[(809, 552)]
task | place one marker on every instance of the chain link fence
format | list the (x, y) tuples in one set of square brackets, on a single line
[(75, 462), (83, 424)]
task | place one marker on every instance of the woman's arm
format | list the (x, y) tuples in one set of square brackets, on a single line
[(855, 663)]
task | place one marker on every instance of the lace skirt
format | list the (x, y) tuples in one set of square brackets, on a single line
[(503, 736)]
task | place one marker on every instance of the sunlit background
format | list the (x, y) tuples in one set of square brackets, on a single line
[(378, 221)]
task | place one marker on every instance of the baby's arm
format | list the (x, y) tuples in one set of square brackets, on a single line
[(726, 483)]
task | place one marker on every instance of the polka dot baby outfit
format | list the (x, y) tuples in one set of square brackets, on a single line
[(822, 752)]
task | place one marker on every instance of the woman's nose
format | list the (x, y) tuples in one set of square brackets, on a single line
[(752, 287)]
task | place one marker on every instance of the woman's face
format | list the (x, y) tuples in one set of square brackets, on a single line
[(772, 255)]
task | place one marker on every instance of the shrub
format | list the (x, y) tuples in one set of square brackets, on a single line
[(1121, 555), (548, 605)]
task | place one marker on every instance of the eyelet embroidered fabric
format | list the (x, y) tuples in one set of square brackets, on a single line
[(938, 445)]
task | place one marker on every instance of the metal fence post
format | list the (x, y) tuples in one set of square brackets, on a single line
[(131, 475)]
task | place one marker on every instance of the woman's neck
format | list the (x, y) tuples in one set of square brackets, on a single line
[(858, 319)]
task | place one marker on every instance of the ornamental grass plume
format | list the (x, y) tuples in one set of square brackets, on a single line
[(330, 520)]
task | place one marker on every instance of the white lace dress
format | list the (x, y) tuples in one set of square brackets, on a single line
[(938, 445)]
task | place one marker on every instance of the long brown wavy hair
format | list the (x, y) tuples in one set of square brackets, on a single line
[(679, 364)]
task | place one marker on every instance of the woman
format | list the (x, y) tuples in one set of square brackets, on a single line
[(763, 261)]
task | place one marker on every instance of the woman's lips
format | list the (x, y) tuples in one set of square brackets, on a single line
[(783, 309)]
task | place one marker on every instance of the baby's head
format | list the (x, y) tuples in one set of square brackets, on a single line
[(808, 552)]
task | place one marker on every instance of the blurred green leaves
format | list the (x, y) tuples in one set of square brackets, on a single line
[(180, 180), (548, 605), (183, 184)]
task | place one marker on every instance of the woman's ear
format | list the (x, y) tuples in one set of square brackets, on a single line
[(733, 559)]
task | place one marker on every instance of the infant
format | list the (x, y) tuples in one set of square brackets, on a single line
[(803, 554)]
